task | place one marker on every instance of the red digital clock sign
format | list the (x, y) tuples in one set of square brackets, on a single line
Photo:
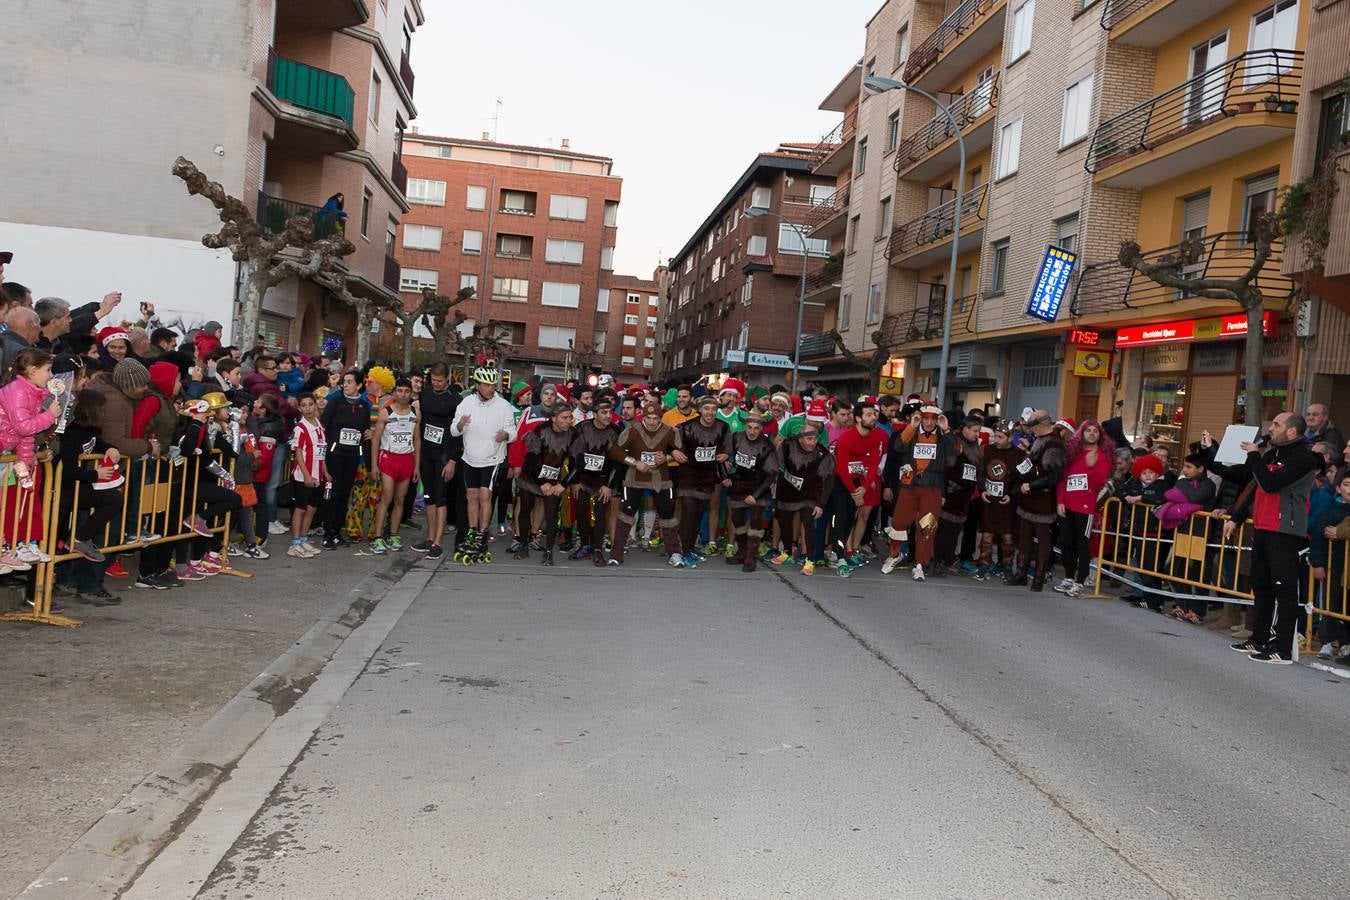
[(1084, 338)]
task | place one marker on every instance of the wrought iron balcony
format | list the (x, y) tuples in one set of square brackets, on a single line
[(405, 72), (925, 323), (938, 130), (1116, 11), (1108, 286), (814, 346), (838, 136), (1254, 83), (309, 88), (936, 224), (274, 213), (823, 210), (1152, 23), (391, 273), (969, 17)]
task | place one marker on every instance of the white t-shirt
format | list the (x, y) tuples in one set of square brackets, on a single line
[(480, 435)]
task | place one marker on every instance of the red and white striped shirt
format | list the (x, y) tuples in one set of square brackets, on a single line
[(307, 449)]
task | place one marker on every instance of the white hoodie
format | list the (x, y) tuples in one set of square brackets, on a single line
[(481, 448)]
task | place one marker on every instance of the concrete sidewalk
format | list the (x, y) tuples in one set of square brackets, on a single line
[(87, 713)]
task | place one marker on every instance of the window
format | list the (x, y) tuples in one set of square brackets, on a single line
[(688, 264), (514, 332), (567, 252), (748, 290), (1066, 233), (743, 339), (515, 246), (366, 198), (758, 245), (649, 343), (1273, 28), (871, 67), (602, 300), (1077, 112), (1040, 368), (1258, 197), (561, 206), (1021, 31), (416, 279), (511, 290), (654, 304), (630, 340), (790, 241), (651, 322), (556, 337), (862, 156), (473, 242), (901, 46), (999, 269), (425, 192), (390, 235), (477, 197), (633, 299), (468, 280), (373, 101), (822, 194), (556, 294), (1334, 128), (851, 241), (611, 214), (628, 361), (845, 303), (421, 237), (761, 198), (884, 218), (607, 258), (1009, 149), (892, 131), (518, 203), (406, 45), (874, 304), (525, 160), (561, 165)]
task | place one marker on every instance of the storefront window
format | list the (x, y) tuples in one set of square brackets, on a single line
[(1162, 409)]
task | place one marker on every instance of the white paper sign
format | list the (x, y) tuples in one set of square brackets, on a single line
[(1230, 453)]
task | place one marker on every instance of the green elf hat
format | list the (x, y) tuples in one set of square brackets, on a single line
[(669, 398), (758, 391)]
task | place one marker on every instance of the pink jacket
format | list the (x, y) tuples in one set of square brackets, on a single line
[(1177, 509), (22, 418), (1080, 486)]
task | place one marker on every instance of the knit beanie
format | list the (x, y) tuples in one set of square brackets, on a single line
[(128, 375)]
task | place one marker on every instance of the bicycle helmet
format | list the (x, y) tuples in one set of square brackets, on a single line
[(485, 375)]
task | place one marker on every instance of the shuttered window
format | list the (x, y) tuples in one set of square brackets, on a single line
[(1210, 405)]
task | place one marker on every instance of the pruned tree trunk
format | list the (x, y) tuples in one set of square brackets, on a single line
[(362, 307), (1256, 350), (407, 325)]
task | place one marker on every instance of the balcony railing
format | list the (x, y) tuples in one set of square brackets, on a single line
[(516, 210), (309, 88), (405, 72), (962, 19), (1257, 81), (399, 173), (1116, 11), (840, 134), (825, 209), (938, 130), (1108, 286), (391, 273), (925, 323), (813, 346), (937, 223), (274, 213)]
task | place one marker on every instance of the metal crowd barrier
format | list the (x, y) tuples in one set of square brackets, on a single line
[(1329, 598), (164, 500)]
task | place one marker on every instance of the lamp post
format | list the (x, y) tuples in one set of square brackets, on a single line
[(875, 84), (755, 212)]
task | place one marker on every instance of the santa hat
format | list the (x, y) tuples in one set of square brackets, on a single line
[(113, 481), (1067, 423), (816, 412), (796, 404), (1146, 463), (112, 333), (929, 409), (734, 385), (563, 392)]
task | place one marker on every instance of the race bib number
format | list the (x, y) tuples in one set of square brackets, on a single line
[(548, 473), (993, 488), (967, 472), (795, 480), (1024, 466), (745, 461), (857, 467), (925, 451), (705, 454), (594, 461), (401, 443), (648, 457), (1076, 483), (433, 434), (349, 437)]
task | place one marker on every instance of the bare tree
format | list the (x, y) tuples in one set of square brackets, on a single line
[(433, 311), (890, 335), (1243, 289), (294, 252)]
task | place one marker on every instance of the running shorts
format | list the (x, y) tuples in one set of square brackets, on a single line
[(398, 466), (479, 477)]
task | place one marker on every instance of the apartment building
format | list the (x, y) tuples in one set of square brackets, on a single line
[(626, 347), (734, 287), (297, 100), (531, 229)]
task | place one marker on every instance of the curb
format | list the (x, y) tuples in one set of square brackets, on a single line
[(124, 841)]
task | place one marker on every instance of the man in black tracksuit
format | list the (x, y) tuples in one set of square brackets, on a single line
[(441, 454), (346, 425)]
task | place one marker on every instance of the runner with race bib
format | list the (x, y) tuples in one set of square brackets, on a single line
[(398, 440)]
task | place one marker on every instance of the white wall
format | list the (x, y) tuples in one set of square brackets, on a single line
[(182, 278)]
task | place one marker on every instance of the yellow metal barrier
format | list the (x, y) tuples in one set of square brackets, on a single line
[(1329, 597), (20, 511)]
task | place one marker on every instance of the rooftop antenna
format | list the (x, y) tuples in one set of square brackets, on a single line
[(495, 118)]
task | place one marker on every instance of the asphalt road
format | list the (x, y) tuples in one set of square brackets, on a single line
[(570, 733)]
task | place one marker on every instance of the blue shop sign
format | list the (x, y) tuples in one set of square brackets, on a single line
[(1047, 293)]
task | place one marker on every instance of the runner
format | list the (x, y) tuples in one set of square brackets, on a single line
[(753, 468), (486, 423), (857, 463), (803, 485), (998, 493), (346, 424), (684, 408), (963, 476), (915, 472), (546, 451), (440, 455), (594, 478), (396, 436), (645, 447), (706, 441)]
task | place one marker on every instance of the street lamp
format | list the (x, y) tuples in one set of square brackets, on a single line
[(755, 212), (875, 84)]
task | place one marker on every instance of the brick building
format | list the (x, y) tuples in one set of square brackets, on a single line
[(734, 286), (531, 229), (628, 349)]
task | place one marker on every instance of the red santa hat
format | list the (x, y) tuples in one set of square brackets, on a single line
[(1067, 423), (114, 480), (816, 412), (732, 384), (796, 404), (1146, 463), (112, 333)]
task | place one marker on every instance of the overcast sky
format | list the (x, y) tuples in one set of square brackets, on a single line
[(681, 96)]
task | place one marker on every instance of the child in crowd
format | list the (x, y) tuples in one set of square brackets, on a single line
[(94, 505), (252, 519), (1193, 492), (1140, 531), (1330, 569), (309, 474), (26, 409)]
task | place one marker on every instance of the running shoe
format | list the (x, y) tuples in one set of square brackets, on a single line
[(276, 527), (843, 568), (1245, 647), (808, 568), (378, 546), (396, 543), (212, 560), (329, 543), (691, 560), (190, 572), (548, 558), (676, 561), (1271, 658), (98, 597), (780, 559), (197, 524), (969, 567), (708, 549), (917, 572), (598, 558), (235, 550), (654, 543), (422, 546), (256, 552), (298, 551), (1072, 588), (889, 565), (88, 551), (149, 583), (582, 552), (435, 552), (1324, 652)]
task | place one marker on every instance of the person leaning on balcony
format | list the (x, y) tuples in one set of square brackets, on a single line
[(334, 206)]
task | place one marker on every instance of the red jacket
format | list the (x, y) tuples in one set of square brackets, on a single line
[(1081, 485), (857, 459)]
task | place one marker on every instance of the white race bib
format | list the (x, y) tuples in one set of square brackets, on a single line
[(967, 472), (705, 454), (1076, 483), (648, 457), (433, 434), (594, 461), (795, 480), (401, 442), (1025, 466), (548, 473), (856, 467), (349, 437), (745, 461), (993, 488), (925, 451)]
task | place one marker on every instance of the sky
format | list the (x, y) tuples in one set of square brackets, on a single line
[(681, 96)]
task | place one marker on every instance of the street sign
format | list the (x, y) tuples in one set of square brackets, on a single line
[(764, 360), (1047, 293)]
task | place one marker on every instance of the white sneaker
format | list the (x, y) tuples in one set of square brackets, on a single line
[(1063, 586), (1073, 590), (676, 561), (235, 550), (889, 565), (1324, 652), (918, 572), (277, 528), (310, 549), (298, 551)]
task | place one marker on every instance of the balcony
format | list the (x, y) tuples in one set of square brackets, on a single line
[(518, 203), (922, 241), (316, 90), (514, 246), (1106, 287), (932, 149), (815, 346), (973, 29), (391, 273), (834, 154), (274, 213), (824, 284), (398, 172), (1247, 102), (826, 216), (405, 72), (925, 322), (1149, 23), (326, 15)]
